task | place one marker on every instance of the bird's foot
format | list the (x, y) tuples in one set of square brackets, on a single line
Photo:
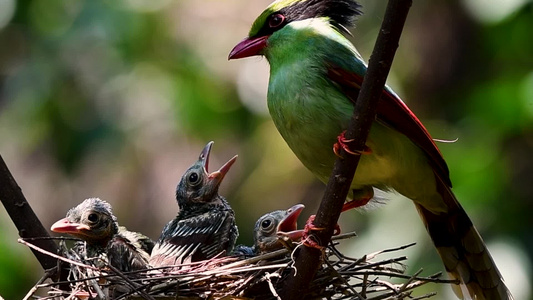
[(342, 142), (360, 198), (308, 239), (355, 203)]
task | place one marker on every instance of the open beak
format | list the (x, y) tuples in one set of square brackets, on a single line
[(65, 226), (288, 226), (249, 47), (204, 155), (216, 177)]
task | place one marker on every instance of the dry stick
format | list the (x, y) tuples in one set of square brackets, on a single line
[(36, 286), (308, 260), (27, 223)]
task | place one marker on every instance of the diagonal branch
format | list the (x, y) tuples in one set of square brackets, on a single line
[(308, 260), (22, 215)]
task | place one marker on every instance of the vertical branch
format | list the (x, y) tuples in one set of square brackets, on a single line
[(308, 259), (22, 215)]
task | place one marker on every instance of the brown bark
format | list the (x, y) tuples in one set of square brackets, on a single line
[(27, 223)]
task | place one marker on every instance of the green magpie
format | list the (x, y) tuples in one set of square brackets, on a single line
[(315, 77)]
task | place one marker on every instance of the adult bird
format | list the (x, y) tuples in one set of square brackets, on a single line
[(270, 227), (205, 225), (93, 221), (315, 76)]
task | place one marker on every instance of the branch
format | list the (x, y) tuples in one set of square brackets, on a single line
[(308, 259), (27, 223)]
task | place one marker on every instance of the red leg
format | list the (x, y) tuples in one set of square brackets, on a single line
[(309, 226), (360, 198)]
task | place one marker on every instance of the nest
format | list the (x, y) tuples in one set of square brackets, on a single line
[(339, 277)]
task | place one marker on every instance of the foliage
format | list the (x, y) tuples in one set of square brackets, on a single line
[(115, 98)]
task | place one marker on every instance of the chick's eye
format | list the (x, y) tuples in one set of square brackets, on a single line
[(266, 224), (92, 218), (276, 20), (194, 178)]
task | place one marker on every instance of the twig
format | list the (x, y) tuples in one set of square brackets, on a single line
[(426, 296), (40, 250), (328, 263), (34, 289), (372, 255), (406, 284), (365, 109), (131, 283), (339, 278), (97, 288), (271, 285), (365, 282)]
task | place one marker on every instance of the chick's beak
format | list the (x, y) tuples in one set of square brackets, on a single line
[(249, 47), (65, 226), (204, 155), (288, 226), (217, 176)]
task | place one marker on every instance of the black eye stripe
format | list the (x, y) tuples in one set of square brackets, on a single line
[(341, 13)]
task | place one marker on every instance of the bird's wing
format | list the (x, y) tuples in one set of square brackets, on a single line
[(145, 242), (192, 239), (125, 252), (395, 114)]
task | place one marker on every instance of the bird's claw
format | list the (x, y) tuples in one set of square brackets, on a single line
[(355, 203), (360, 198), (309, 240), (309, 226), (337, 230), (342, 142)]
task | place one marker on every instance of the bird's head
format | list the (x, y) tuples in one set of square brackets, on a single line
[(92, 220), (197, 185), (279, 223), (282, 18)]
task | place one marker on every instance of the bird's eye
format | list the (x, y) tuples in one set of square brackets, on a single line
[(194, 178), (92, 218), (276, 20), (267, 224)]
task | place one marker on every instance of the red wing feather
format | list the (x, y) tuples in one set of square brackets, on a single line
[(394, 113)]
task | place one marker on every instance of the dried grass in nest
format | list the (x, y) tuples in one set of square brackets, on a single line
[(339, 277)]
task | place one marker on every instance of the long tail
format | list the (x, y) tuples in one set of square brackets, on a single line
[(463, 251)]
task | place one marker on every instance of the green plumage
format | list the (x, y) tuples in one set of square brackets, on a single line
[(315, 75), (310, 111)]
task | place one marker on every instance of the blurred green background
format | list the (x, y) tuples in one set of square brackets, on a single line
[(115, 99)]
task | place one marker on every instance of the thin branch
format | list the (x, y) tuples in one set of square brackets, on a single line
[(308, 259), (35, 287), (41, 250)]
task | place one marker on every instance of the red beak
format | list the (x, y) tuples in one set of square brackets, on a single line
[(249, 47), (288, 226), (65, 226), (216, 177), (223, 170)]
